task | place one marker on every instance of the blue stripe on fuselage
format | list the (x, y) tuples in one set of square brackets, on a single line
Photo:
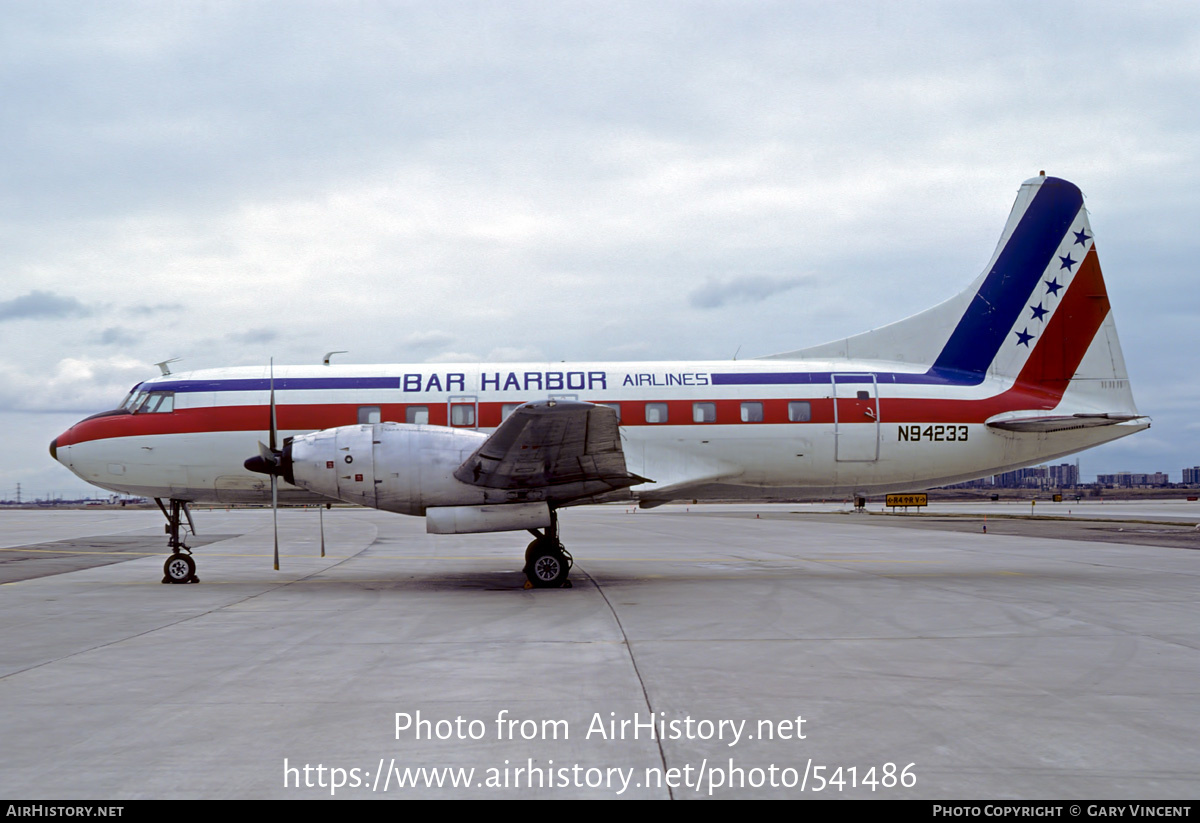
[(281, 384), (818, 377)]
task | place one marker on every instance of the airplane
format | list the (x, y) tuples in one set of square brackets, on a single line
[(1022, 366)]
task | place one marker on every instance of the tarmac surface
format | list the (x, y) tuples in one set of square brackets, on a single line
[(784, 651)]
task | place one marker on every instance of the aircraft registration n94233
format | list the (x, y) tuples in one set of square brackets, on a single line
[(1022, 366)]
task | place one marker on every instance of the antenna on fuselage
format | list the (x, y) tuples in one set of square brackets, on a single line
[(163, 366), (329, 355)]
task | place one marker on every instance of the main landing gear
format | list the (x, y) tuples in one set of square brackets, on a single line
[(180, 567), (547, 563)]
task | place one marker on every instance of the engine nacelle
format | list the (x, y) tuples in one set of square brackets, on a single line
[(398, 467), (405, 468)]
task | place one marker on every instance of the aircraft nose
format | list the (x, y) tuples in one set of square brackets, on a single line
[(60, 447)]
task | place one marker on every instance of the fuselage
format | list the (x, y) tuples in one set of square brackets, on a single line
[(696, 429)]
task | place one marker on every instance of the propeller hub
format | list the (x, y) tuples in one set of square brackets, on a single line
[(275, 462)]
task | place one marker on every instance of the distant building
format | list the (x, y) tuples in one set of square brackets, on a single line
[(1064, 475), (1191, 477), (1133, 480)]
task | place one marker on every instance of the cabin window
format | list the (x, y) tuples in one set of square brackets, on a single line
[(799, 411), (508, 408), (614, 406), (656, 412), (752, 412), (417, 415), (462, 414), (369, 414), (704, 412), (864, 395)]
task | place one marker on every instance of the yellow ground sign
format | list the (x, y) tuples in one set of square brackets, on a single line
[(920, 499)]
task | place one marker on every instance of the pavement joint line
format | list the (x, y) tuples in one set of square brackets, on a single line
[(662, 756)]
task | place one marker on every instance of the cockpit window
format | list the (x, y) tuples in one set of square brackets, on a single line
[(127, 404), (154, 402)]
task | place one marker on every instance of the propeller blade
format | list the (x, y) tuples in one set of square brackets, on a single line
[(275, 515), (272, 456), (274, 421), (268, 454)]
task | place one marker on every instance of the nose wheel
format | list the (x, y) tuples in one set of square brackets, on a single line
[(180, 566)]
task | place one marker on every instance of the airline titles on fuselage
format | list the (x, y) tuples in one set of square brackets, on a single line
[(526, 381)]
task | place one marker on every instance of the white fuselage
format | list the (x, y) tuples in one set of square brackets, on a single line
[(710, 429)]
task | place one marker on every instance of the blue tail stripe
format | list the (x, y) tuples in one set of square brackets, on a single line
[(974, 343)]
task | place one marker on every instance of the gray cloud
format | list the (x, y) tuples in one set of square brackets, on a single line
[(153, 308), (746, 289), (116, 336), (41, 304), (427, 339), (253, 336)]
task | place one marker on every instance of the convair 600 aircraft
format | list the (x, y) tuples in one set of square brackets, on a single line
[(1021, 367)]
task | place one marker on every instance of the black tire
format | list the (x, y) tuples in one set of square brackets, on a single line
[(529, 552), (547, 567), (179, 568)]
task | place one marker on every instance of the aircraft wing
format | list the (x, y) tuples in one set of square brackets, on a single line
[(568, 446)]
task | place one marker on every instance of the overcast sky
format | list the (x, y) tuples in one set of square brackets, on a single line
[(227, 182)]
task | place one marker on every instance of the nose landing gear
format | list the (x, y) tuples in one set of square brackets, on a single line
[(180, 567)]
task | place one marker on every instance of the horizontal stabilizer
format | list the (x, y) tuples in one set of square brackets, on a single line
[(1035, 421)]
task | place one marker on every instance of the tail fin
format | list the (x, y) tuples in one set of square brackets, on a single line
[(1038, 315)]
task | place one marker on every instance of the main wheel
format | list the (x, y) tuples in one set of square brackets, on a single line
[(547, 566), (529, 552), (179, 568)]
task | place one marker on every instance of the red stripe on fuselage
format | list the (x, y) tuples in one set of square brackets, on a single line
[(1040, 385)]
